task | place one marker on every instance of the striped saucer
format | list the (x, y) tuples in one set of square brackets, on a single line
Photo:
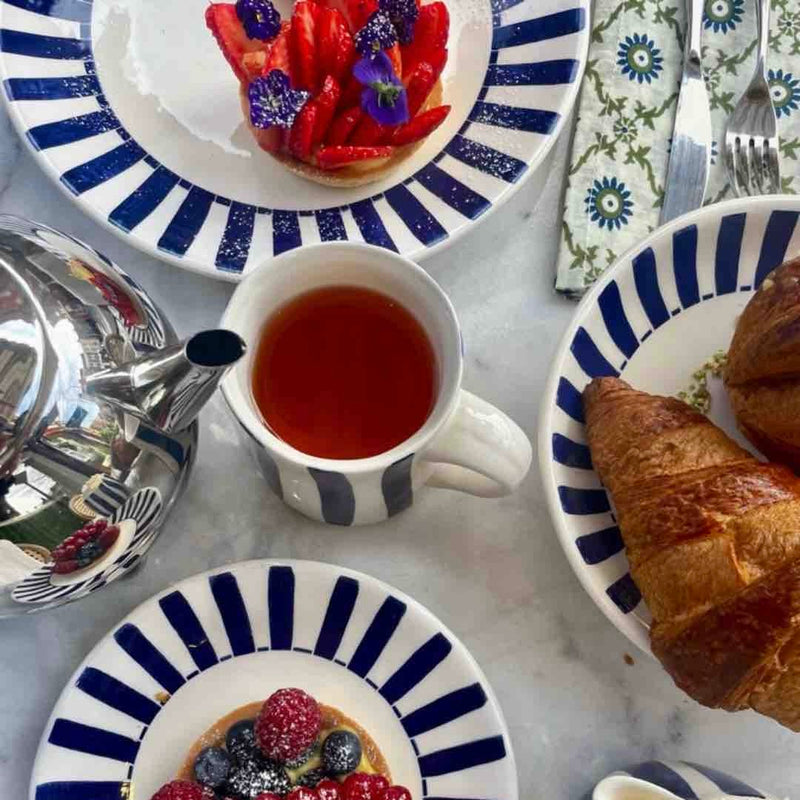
[(653, 319), (130, 107), (214, 642)]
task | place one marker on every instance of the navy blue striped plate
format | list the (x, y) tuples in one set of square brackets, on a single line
[(211, 643), (138, 120), (653, 319)]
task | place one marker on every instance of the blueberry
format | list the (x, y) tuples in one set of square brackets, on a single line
[(254, 776), (311, 778), (240, 739), (211, 767), (341, 752)]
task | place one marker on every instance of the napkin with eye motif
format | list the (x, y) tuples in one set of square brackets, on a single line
[(626, 113)]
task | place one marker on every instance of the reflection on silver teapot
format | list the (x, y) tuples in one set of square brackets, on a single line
[(97, 407)]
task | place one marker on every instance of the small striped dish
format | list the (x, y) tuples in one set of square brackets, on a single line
[(653, 319), (181, 194), (214, 642)]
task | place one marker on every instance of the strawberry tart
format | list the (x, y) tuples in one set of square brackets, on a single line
[(343, 90)]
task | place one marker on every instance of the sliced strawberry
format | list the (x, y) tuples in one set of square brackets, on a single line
[(418, 86), (356, 12), (430, 37), (326, 102), (280, 53), (343, 125), (269, 139), (334, 43), (421, 126), (304, 48), (363, 158), (301, 135), (396, 58), (368, 132), (438, 61), (222, 21), (351, 93), (254, 64)]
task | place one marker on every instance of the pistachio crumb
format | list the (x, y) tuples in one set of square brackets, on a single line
[(697, 394)]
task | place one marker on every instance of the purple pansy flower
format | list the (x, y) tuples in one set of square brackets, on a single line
[(273, 101), (403, 14), (378, 34), (260, 18), (383, 97)]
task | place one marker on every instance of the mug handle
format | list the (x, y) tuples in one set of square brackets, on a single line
[(479, 451)]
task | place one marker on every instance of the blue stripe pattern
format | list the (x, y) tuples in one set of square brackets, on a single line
[(80, 790), (729, 246), (625, 594), (149, 657), (72, 10), (646, 280), (451, 191), (562, 23), (23, 43), (532, 120), (661, 775), (583, 501), (485, 158), (285, 231), (587, 354), (181, 616), (51, 88), (66, 131), (118, 695), (571, 454), (447, 708), (416, 668), (779, 231), (147, 198), (416, 217), (380, 630), (338, 502), (541, 73), (330, 225), (337, 617), (616, 320), (463, 756), (92, 173), (235, 245), (684, 264), (598, 546), (569, 400), (280, 592), (398, 493), (82, 738), (371, 226), (726, 783), (234, 615), (187, 222)]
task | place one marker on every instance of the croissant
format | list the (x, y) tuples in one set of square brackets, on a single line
[(762, 375), (713, 540)]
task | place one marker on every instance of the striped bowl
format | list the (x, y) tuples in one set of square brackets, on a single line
[(653, 319), (211, 643), (141, 136)]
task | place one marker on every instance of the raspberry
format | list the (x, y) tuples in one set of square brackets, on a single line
[(268, 796), (183, 790), (329, 790), (288, 724), (395, 793), (84, 546), (302, 793), (360, 786), (379, 784)]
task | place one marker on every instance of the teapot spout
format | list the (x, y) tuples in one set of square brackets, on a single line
[(168, 389)]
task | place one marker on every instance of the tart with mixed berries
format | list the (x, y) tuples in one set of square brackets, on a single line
[(343, 90), (289, 747)]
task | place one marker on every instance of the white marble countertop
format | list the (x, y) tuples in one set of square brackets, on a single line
[(492, 570)]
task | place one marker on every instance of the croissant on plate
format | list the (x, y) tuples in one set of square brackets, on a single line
[(762, 375), (713, 540)]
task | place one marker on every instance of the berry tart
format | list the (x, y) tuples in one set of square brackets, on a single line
[(84, 547), (343, 90), (289, 747)]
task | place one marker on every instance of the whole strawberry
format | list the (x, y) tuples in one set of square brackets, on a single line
[(183, 790), (288, 724)]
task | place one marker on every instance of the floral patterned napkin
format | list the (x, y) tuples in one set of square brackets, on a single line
[(627, 109)]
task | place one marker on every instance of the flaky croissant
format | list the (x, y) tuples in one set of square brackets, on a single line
[(713, 540), (763, 370)]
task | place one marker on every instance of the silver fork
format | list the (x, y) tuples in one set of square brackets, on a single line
[(751, 138)]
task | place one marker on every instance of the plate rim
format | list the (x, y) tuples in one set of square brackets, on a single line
[(294, 563), (545, 428), (421, 253)]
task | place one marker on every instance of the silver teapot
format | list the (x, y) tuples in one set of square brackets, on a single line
[(98, 401)]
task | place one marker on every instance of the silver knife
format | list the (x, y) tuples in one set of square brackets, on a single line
[(690, 159)]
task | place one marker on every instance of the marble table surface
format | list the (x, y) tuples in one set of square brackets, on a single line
[(492, 570)]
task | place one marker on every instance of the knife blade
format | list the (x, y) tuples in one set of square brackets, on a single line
[(690, 159)]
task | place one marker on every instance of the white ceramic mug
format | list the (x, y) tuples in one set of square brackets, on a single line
[(465, 443)]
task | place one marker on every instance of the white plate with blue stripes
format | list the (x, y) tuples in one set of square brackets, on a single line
[(216, 641), (653, 318), (130, 107)]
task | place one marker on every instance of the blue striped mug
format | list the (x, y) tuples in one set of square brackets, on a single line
[(465, 444)]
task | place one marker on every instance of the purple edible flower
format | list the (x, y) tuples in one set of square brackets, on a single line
[(378, 34), (260, 18), (273, 101), (383, 97), (403, 14)]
